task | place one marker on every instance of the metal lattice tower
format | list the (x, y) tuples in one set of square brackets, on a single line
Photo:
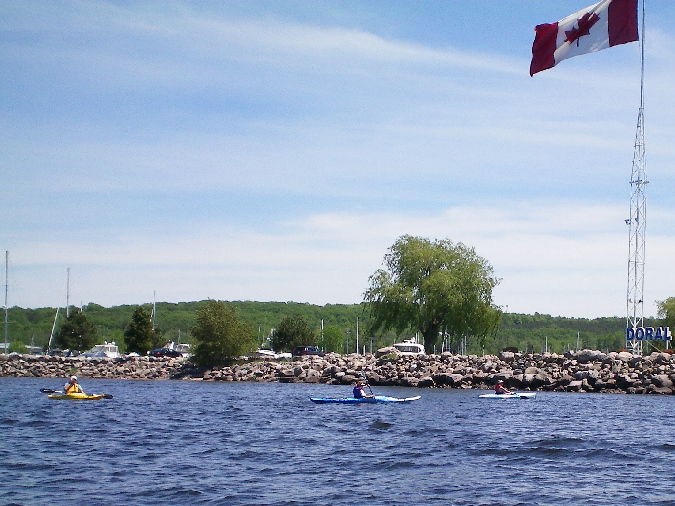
[(638, 220)]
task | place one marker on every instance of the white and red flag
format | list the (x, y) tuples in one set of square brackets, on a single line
[(605, 24)]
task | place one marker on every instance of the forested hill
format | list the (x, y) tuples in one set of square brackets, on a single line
[(541, 332), (533, 333)]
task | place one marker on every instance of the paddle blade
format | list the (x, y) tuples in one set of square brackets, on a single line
[(107, 396), (48, 391)]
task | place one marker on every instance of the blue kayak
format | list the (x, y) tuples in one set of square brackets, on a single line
[(364, 400)]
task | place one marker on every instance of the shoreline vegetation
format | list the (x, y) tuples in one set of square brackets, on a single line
[(535, 333), (581, 371)]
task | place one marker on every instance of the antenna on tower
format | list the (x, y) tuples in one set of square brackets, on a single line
[(638, 220)]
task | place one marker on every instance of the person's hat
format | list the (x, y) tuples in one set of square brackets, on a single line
[(500, 381), (73, 378)]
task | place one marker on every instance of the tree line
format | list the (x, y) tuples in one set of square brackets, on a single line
[(437, 291), (175, 322)]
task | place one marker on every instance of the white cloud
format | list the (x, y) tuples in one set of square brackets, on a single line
[(568, 260)]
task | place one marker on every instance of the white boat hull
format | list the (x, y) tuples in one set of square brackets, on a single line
[(514, 395)]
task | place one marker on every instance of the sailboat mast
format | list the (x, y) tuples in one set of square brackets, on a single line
[(51, 336), (68, 292), (6, 295)]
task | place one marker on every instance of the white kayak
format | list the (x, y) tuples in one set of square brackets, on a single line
[(514, 395)]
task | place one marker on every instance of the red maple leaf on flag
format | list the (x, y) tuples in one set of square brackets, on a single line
[(584, 25)]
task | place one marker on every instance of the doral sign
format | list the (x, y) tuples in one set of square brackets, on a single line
[(648, 334)]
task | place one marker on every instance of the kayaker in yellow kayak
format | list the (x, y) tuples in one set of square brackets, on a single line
[(72, 387)]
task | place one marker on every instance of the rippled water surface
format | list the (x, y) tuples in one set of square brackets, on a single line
[(171, 442)]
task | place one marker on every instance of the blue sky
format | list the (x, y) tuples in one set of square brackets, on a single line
[(274, 150)]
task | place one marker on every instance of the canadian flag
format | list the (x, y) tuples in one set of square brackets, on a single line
[(605, 24)]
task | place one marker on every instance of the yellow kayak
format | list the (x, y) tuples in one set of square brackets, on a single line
[(77, 397)]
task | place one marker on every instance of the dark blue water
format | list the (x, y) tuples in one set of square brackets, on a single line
[(170, 442)]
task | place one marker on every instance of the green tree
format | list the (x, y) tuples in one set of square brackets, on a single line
[(139, 335), (76, 333), (18, 347), (333, 339), (220, 335), (441, 289), (292, 331), (666, 312)]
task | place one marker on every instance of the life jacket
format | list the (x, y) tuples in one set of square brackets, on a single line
[(73, 388), (358, 392), (499, 388)]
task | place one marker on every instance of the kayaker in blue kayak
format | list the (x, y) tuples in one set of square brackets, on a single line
[(72, 387), (360, 392), (500, 388)]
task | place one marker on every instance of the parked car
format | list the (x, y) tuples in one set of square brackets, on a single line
[(299, 351), (164, 352)]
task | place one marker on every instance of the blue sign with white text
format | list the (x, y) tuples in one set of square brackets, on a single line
[(648, 334)]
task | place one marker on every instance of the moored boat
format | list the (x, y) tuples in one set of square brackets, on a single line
[(105, 350), (409, 347)]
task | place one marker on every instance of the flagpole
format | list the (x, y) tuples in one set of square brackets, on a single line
[(642, 58)]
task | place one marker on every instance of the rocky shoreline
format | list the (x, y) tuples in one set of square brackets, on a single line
[(582, 371)]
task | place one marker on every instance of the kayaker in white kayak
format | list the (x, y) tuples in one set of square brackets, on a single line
[(500, 388), (360, 392), (72, 387)]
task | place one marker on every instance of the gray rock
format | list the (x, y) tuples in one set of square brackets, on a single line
[(574, 386), (662, 380)]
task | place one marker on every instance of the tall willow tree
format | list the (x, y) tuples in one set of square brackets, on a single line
[(437, 288)]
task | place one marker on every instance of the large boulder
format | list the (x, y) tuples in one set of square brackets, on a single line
[(536, 381), (426, 381), (604, 384), (449, 380), (312, 376), (575, 386), (590, 375), (586, 356), (624, 356), (662, 380), (348, 379), (660, 390), (383, 352)]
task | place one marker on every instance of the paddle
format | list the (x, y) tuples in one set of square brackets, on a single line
[(363, 373), (50, 391)]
